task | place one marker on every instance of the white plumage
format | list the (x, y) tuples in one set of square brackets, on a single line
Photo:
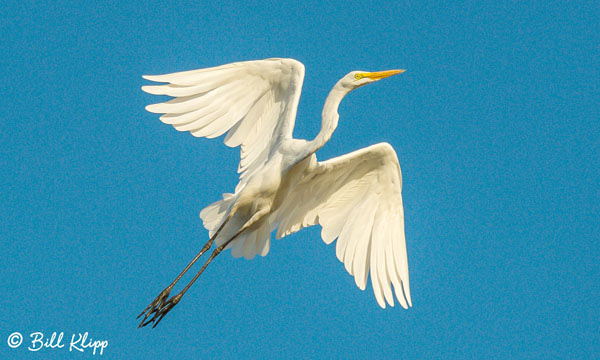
[(356, 198), (254, 101)]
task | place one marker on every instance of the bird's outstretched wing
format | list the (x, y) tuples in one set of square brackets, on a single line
[(254, 102), (357, 199)]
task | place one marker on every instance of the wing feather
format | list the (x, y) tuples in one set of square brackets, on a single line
[(237, 247), (254, 102), (359, 263), (186, 118), (357, 199), (242, 131), (250, 246), (262, 239), (193, 77)]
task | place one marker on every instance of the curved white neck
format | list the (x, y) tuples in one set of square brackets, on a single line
[(329, 118)]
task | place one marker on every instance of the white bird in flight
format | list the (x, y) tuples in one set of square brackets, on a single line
[(356, 198)]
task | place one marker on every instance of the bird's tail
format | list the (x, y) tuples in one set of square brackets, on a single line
[(248, 244), (215, 214)]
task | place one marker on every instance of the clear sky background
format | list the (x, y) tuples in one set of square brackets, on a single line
[(496, 128)]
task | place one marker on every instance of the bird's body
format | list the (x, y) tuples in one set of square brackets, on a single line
[(356, 197)]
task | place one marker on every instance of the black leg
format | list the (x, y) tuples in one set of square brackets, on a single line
[(163, 307), (161, 300)]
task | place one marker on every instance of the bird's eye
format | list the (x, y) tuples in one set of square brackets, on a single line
[(358, 76)]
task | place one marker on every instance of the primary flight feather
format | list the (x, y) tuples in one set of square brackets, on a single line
[(356, 198)]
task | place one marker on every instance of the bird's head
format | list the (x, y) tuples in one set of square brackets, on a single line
[(356, 79)]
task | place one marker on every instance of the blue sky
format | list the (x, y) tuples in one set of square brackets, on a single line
[(495, 124)]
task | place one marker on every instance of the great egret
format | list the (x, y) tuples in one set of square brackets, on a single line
[(356, 197)]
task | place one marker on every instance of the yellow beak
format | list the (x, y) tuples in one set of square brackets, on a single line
[(382, 74)]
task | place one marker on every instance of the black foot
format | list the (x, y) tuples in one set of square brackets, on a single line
[(159, 307)]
